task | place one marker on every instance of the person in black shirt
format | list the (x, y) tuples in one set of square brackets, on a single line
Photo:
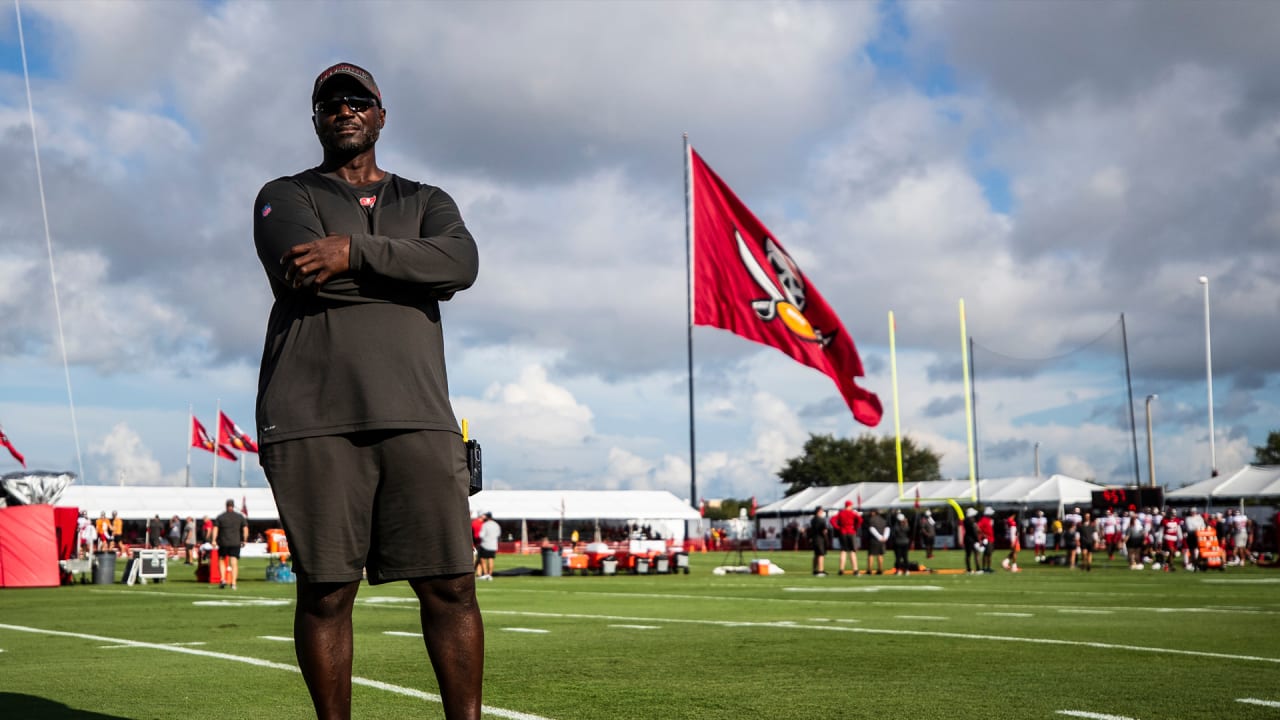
[(357, 435), (820, 538), (230, 533)]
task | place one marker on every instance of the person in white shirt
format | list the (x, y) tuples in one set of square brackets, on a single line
[(1039, 533), (1192, 523), (490, 533), (1109, 524)]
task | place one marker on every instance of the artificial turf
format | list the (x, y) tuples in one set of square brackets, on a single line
[(1112, 643)]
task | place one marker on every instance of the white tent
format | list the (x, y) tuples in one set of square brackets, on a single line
[(662, 511), (659, 509), (1005, 492), (1252, 481)]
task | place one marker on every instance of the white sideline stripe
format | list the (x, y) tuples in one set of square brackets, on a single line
[(887, 631), (1241, 581), (535, 631), (402, 633), (258, 662), (177, 644), (1256, 701), (1007, 614), (1240, 609), (637, 627), (859, 588), (276, 638), (921, 617), (1094, 715), (1086, 611)]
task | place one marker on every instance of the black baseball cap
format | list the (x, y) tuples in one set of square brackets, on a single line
[(355, 72)]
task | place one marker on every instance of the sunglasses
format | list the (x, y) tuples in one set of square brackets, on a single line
[(357, 103)]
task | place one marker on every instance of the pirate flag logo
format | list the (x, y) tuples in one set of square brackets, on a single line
[(786, 295)]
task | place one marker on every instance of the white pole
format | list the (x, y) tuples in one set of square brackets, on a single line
[(191, 428), (215, 444), (1151, 446), (1208, 372), (1037, 454)]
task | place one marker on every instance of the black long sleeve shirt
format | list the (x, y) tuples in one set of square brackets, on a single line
[(365, 351)]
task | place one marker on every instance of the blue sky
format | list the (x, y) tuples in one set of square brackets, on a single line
[(1053, 164)]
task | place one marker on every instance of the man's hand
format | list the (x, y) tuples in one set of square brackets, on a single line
[(316, 262)]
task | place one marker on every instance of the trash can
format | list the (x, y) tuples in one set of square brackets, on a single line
[(642, 566), (661, 565), (551, 563), (609, 566), (104, 568)]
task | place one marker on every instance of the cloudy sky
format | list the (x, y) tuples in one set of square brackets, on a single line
[(1053, 164)]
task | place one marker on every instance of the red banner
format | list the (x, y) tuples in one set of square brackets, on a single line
[(745, 282), (231, 435), (4, 440), (200, 439)]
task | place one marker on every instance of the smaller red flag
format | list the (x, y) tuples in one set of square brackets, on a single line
[(200, 439), (244, 506), (231, 435), (859, 501), (753, 506), (917, 497), (702, 508), (4, 440)]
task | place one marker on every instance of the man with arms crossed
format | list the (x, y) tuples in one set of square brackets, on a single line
[(357, 435), (230, 533)]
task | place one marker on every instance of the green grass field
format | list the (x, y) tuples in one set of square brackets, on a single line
[(1044, 643)]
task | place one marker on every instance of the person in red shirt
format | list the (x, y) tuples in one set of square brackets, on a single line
[(987, 533), (477, 522), (847, 523)]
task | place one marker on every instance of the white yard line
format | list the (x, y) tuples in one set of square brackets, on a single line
[(636, 627), (1256, 701), (1092, 715), (535, 631), (1007, 614), (258, 662), (276, 638), (887, 631), (401, 633), (921, 617)]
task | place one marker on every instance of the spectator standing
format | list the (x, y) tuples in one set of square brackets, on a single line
[(1088, 541), (878, 537), (972, 542), (1056, 527), (1109, 526), (155, 532), (819, 537), (1192, 523), (175, 532), (190, 533), (490, 534), (900, 535), (1071, 543), (847, 523), (86, 535), (117, 531), (928, 534), (230, 533), (987, 530)]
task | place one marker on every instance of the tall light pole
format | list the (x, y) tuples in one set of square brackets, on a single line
[(1037, 451), (1208, 372), (1151, 447)]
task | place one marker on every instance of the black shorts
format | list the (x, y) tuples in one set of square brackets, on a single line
[(819, 546), (486, 554), (228, 551), (874, 548), (393, 502), (847, 542)]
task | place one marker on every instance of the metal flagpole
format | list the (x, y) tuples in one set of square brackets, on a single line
[(688, 269), (1133, 423), (191, 429), (968, 405), (216, 445)]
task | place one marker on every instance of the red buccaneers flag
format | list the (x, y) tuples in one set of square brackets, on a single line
[(4, 440), (230, 434), (746, 283), (200, 439)]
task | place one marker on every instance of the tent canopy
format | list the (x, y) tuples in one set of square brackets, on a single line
[(1252, 481), (1013, 491), (137, 502)]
